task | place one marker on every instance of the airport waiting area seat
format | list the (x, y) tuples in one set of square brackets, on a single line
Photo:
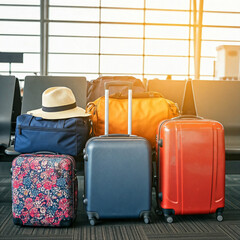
[(10, 108), (214, 99), (34, 86), (220, 100), (170, 89)]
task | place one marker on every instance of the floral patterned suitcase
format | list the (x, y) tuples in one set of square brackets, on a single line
[(44, 190)]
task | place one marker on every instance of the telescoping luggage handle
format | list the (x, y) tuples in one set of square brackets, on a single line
[(106, 86)]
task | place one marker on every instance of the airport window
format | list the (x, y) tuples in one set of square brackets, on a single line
[(119, 119), (20, 32), (146, 39)]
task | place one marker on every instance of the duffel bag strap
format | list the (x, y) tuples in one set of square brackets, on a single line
[(91, 132), (90, 107), (27, 120)]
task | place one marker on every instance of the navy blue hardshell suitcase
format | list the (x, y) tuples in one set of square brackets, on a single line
[(118, 172)]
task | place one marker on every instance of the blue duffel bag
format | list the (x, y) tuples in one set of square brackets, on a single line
[(64, 136)]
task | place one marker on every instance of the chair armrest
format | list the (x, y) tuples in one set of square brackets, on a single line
[(10, 151)]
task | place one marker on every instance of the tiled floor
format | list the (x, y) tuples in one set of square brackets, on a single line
[(184, 227)]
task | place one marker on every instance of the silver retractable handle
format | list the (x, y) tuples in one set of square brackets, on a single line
[(109, 84)]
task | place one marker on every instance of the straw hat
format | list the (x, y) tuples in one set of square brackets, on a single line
[(58, 103)]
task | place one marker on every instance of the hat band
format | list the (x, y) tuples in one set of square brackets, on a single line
[(60, 108)]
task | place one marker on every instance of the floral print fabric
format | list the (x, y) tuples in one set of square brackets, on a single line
[(43, 191)]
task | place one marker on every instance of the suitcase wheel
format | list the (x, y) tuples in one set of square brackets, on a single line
[(146, 220), (92, 221), (219, 215), (146, 217), (169, 219), (219, 218), (168, 214), (17, 221), (66, 222)]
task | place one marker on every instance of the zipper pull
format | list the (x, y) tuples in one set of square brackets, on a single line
[(19, 130), (160, 142)]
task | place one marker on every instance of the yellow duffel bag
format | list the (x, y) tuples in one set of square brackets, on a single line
[(148, 109)]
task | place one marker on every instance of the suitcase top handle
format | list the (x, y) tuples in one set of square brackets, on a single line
[(109, 84), (46, 152), (187, 116)]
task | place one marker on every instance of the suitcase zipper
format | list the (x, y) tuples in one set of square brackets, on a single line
[(159, 144), (20, 128), (74, 178)]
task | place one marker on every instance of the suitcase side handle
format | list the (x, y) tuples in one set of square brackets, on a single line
[(107, 85), (187, 116)]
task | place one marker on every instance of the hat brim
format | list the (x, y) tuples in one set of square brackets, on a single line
[(75, 112)]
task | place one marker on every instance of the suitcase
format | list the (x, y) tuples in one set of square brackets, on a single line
[(44, 190), (118, 172), (190, 167)]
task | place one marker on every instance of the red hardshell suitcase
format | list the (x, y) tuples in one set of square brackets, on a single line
[(190, 167), (44, 190)]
